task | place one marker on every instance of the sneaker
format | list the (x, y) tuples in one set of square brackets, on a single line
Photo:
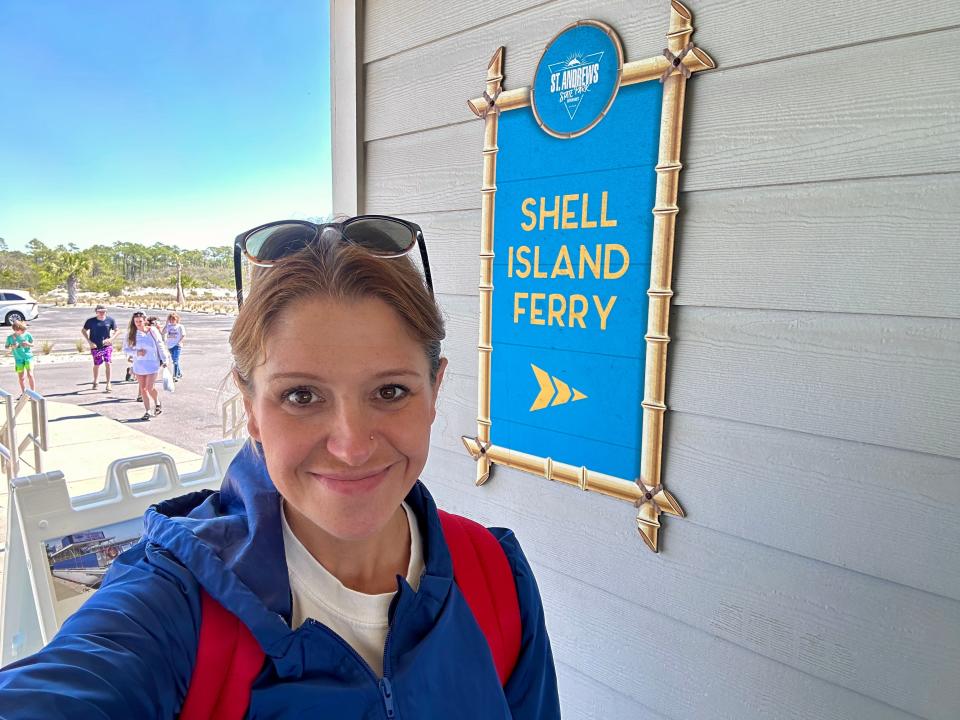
[(139, 398), (108, 388), (176, 378), (158, 409), (146, 416)]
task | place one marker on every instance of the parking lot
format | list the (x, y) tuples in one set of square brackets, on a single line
[(191, 415)]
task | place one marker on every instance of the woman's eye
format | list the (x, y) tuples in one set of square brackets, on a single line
[(300, 397), (392, 393)]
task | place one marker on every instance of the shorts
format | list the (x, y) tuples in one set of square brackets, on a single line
[(102, 355), (23, 365)]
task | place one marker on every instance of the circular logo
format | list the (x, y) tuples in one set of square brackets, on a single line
[(577, 79)]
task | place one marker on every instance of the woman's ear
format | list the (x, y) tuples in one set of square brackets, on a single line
[(436, 387), (253, 427)]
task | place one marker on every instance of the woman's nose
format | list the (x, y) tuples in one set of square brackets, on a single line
[(351, 439)]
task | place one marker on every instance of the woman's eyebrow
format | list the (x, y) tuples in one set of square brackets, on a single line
[(388, 373)]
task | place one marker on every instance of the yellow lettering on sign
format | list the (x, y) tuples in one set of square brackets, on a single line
[(624, 257), (554, 213), (525, 209), (584, 222), (567, 221), (593, 262), (604, 310), (556, 307), (562, 310), (603, 212), (522, 253), (563, 266), (537, 272), (575, 314), (563, 211), (518, 309), (536, 314)]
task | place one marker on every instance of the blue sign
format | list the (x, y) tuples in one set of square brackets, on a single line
[(577, 79), (573, 230)]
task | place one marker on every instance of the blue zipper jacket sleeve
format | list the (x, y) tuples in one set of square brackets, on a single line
[(127, 653), (531, 690)]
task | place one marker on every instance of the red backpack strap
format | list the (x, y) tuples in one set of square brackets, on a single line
[(228, 661), (482, 572)]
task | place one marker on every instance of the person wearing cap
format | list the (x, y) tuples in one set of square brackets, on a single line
[(99, 331)]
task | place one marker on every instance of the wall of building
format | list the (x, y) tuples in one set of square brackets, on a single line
[(813, 431)]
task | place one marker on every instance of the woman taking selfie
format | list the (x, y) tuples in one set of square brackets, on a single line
[(343, 591)]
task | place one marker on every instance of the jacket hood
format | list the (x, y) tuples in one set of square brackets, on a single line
[(232, 543)]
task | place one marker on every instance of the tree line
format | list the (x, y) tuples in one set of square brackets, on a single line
[(113, 268)]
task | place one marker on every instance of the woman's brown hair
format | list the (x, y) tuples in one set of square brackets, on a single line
[(132, 328), (339, 271)]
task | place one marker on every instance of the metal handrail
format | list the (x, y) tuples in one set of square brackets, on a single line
[(10, 450), (9, 456), (39, 430)]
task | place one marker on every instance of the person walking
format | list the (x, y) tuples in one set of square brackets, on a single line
[(99, 331), (145, 344), (175, 334), (21, 343)]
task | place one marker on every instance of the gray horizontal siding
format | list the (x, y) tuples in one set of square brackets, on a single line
[(426, 84), (584, 698), (858, 636), (882, 246), (874, 379), (886, 513), (813, 118)]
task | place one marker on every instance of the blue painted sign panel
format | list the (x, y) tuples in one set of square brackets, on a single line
[(573, 233), (577, 79)]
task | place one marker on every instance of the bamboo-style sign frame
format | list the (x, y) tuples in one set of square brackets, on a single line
[(647, 494)]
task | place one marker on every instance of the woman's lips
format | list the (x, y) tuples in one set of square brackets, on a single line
[(351, 484)]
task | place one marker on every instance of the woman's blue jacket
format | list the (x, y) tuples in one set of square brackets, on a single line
[(129, 651)]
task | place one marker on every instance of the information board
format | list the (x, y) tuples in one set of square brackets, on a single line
[(579, 201)]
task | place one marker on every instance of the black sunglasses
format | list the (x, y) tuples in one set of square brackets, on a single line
[(380, 235)]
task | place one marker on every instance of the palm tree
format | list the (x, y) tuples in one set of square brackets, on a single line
[(66, 264)]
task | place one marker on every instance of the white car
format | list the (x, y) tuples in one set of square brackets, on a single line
[(17, 305)]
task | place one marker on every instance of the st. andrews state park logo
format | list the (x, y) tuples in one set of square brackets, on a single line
[(577, 79)]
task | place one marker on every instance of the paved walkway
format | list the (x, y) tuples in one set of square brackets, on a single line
[(82, 445)]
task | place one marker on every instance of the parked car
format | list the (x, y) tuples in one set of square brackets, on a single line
[(17, 305)]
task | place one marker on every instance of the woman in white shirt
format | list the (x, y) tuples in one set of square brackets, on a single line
[(149, 353)]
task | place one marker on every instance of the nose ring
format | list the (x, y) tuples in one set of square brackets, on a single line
[(371, 436)]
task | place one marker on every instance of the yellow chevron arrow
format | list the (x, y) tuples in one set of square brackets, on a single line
[(546, 389), (563, 392)]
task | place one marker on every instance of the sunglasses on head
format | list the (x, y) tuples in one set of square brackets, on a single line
[(379, 235)]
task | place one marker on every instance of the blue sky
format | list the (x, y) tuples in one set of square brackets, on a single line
[(174, 121)]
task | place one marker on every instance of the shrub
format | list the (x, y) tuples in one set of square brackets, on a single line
[(46, 347)]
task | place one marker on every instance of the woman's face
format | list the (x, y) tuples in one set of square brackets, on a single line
[(343, 405), (139, 321)]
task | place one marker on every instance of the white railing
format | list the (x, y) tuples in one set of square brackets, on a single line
[(10, 450), (233, 417), (9, 456)]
